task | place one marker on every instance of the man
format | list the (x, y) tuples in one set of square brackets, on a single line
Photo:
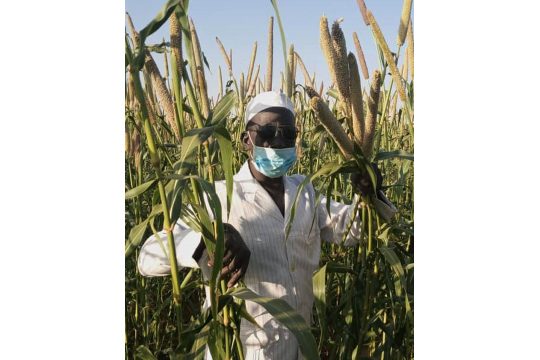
[(279, 267)]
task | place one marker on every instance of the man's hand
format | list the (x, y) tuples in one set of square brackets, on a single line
[(235, 256), (362, 182)]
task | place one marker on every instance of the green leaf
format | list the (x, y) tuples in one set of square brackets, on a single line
[(205, 60), (201, 222), (384, 155), (135, 236), (185, 167), (319, 291), (199, 346), (174, 199), (226, 150), (395, 264), (408, 310), (160, 18), (223, 108), (215, 205), (194, 138), (215, 339), (156, 210), (152, 27), (143, 353), (174, 192), (242, 310), (138, 190), (285, 314)]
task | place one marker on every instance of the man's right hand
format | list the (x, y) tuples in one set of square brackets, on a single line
[(235, 256)]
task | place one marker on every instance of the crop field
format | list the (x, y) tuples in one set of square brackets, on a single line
[(180, 140)]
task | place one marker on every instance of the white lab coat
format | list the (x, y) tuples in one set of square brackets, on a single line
[(278, 268)]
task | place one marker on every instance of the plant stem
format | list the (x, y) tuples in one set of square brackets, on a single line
[(154, 156)]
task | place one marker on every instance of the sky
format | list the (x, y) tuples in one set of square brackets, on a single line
[(239, 23)]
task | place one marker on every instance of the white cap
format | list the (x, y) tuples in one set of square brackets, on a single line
[(267, 100)]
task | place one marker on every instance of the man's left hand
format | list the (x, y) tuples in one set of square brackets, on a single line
[(362, 182)]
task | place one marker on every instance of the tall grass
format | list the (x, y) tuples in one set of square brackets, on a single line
[(180, 140)]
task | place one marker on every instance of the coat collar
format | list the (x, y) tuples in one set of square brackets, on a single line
[(246, 180), (257, 195), (244, 173)]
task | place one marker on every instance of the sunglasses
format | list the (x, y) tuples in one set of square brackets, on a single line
[(270, 131)]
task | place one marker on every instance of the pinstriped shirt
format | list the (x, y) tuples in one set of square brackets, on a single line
[(280, 267)]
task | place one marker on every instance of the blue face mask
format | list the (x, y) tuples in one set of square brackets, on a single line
[(273, 162)]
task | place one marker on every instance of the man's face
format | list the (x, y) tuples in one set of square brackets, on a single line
[(273, 127)]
